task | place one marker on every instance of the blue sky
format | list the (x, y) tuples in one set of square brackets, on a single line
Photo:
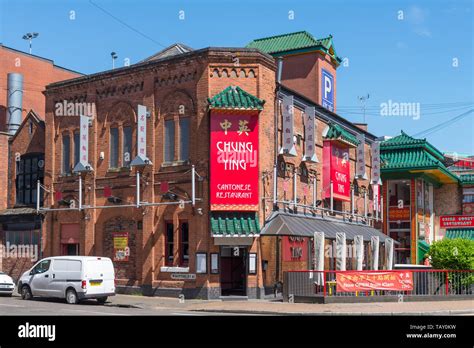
[(423, 54)]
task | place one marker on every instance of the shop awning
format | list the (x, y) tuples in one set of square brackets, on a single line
[(234, 224), (284, 224), (423, 248), (465, 233)]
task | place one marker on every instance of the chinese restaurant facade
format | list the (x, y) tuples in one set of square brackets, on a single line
[(423, 198), (207, 172)]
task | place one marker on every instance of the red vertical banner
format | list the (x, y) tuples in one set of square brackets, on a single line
[(234, 178), (336, 168)]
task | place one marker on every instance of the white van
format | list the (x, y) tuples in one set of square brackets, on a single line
[(71, 277)]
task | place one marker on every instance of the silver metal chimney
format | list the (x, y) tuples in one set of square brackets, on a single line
[(14, 102)]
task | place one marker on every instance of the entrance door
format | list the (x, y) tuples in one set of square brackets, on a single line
[(233, 271), (70, 249)]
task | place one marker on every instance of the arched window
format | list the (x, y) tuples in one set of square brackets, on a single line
[(121, 122), (177, 111)]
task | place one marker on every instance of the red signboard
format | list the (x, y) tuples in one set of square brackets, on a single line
[(448, 221), (295, 248), (336, 168), (402, 214), (234, 161), (363, 281)]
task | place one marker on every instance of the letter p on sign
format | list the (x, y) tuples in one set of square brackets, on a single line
[(327, 87)]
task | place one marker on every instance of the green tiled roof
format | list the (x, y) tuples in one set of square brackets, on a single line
[(404, 141), (411, 158), (293, 43), (336, 132), (464, 233), (467, 179), (242, 224), (235, 98)]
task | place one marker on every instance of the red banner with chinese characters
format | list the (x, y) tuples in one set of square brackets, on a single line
[(234, 178), (363, 281), (295, 248), (447, 221), (336, 168)]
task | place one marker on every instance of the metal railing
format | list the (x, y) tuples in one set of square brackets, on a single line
[(422, 283)]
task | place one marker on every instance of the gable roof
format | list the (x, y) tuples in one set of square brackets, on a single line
[(172, 50), (30, 115), (235, 98), (291, 43)]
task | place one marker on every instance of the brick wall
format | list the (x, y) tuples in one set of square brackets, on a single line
[(37, 73), (3, 173)]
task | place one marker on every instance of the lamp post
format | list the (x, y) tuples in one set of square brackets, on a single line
[(30, 37), (114, 56)]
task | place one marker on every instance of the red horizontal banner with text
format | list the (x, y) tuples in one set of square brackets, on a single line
[(362, 281)]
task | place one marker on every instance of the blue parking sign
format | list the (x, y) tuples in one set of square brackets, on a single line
[(327, 88)]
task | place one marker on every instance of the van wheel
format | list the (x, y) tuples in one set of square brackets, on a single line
[(71, 296), (26, 293), (102, 300)]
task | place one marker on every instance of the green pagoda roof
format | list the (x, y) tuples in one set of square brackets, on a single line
[(410, 158), (404, 153), (235, 98), (237, 224), (336, 132), (404, 141), (466, 179), (297, 42), (464, 233)]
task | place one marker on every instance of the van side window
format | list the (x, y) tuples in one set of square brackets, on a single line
[(42, 267)]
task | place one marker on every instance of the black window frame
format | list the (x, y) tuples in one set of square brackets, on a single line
[(27, 178)]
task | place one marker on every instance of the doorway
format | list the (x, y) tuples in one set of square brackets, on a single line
[(70, 249), (233, 271)]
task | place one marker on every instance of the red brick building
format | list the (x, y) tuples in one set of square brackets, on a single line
[(22, 148), (202, 106)]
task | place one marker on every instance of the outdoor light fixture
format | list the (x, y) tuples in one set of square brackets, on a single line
[(170, 195), (114, 56), (114, 200), (30, 37), (65, 202)]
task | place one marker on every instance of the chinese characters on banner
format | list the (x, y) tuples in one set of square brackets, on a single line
[(364, 281), (295, 248), (142, 131), (141, 158), (288, 146), (234, 178), (376, 190), (121, 248), (310, 135), (360, 166), (83, 164), (336, 168), (375, 154)]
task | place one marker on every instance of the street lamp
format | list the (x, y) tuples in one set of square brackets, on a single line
[(114, 56), (30, 37)]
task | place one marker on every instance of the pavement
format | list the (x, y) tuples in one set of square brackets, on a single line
[(141, 305)]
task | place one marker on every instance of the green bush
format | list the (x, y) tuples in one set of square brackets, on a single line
[(452, 254)]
